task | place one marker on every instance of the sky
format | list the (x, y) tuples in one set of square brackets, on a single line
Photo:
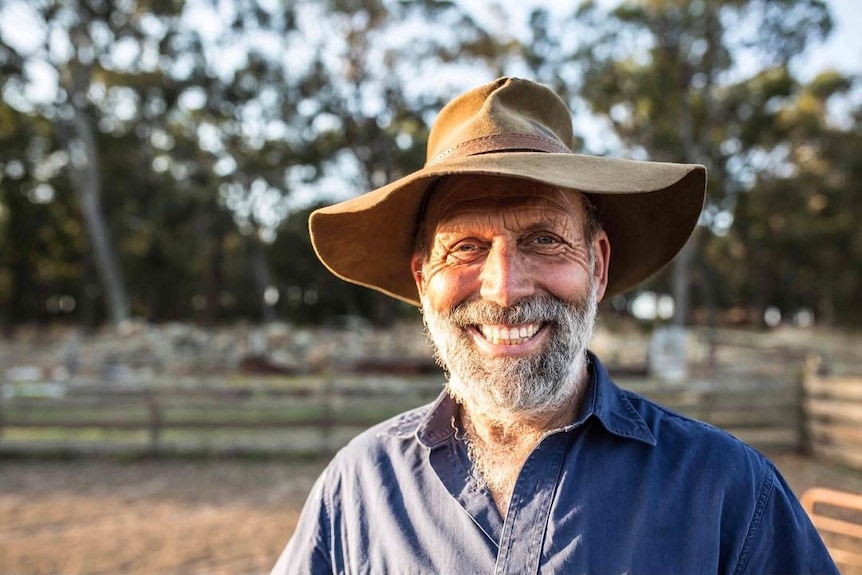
[(843, 50)]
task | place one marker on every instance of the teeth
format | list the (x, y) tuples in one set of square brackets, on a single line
[(508, 335)]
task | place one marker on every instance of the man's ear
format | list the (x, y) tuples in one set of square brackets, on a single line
[(602, 251), (416, 270)]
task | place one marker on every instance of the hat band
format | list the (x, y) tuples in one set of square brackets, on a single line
[(501, 143)]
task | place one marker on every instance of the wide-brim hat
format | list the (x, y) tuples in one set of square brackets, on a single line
[(513, 128)]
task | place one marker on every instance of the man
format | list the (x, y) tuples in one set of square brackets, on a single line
[(533, 460)]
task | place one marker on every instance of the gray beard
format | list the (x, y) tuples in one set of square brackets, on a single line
[(503, 387)]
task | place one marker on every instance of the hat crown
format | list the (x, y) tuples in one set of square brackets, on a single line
[(509, 114)]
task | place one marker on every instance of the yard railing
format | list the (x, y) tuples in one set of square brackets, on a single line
[(296, 415), (832, 406), (763, 412), (315, 415)]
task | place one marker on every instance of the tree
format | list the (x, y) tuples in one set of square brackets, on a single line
[(799, 232), (371, 108), (41, 245), (93, 51), (161, 138), (186, 147), (667, 75)]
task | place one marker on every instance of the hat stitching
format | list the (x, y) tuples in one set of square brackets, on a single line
[(557, 146)]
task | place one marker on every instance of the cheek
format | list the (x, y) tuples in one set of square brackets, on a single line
[(569, 277), (447, 287), (564, 283)]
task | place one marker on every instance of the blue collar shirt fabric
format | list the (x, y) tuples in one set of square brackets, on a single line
[(629, 487)]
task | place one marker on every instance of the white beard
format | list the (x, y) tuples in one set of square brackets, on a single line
[(509, 388)]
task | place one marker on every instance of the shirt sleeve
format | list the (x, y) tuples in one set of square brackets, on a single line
[(307, 551), (781, 537)]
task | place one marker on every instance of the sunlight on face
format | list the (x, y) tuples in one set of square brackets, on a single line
[(509, 293)]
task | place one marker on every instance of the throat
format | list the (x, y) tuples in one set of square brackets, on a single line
[(497, 455)]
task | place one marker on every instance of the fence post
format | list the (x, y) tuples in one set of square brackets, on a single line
[(2, 402), (328, 412), (810, 369), (155, 422)]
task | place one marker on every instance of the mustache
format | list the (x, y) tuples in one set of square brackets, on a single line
[(533, 309)]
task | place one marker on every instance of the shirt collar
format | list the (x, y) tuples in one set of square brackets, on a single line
[(432, 425), (605, 401), (611, 405)]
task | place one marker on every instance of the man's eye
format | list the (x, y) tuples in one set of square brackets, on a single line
[(543, 243), (545, 240), (465, 251)]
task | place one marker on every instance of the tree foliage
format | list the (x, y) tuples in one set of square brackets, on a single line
[(797, 232), (183, 143)]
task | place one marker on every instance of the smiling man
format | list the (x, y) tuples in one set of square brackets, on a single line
[(509, 285), (532, 460)]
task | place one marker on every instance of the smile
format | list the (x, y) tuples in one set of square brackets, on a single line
[(508, 335)]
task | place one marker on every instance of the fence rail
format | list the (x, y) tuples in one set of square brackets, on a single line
[(833, 416)]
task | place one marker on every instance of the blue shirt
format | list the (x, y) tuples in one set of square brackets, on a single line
[(629, 487)]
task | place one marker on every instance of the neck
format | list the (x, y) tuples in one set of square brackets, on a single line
[(500, 442)]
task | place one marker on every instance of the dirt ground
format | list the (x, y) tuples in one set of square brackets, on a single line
[(100, 516), (148, 517)]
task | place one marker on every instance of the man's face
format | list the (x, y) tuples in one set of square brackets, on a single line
[(509, 290)]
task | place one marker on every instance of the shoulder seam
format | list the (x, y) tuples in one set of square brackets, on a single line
[(766, 489)]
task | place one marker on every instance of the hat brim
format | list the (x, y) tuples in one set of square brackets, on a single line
[(648, 209)]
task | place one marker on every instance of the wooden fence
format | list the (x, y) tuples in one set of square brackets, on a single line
[(310, 415), (764, 412), (832, 408), (317, 415), (818, 413)]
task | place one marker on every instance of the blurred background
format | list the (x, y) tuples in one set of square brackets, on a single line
[(177, 365)]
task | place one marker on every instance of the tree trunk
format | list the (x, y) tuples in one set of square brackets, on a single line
[(86, 176), (681, 279), (262, 278), (211, 228)]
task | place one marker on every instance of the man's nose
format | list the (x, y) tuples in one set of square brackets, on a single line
[(505, 276)]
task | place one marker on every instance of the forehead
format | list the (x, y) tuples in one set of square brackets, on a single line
[(482, 196)]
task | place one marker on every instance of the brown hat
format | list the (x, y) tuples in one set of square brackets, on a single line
[(515, 128)]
